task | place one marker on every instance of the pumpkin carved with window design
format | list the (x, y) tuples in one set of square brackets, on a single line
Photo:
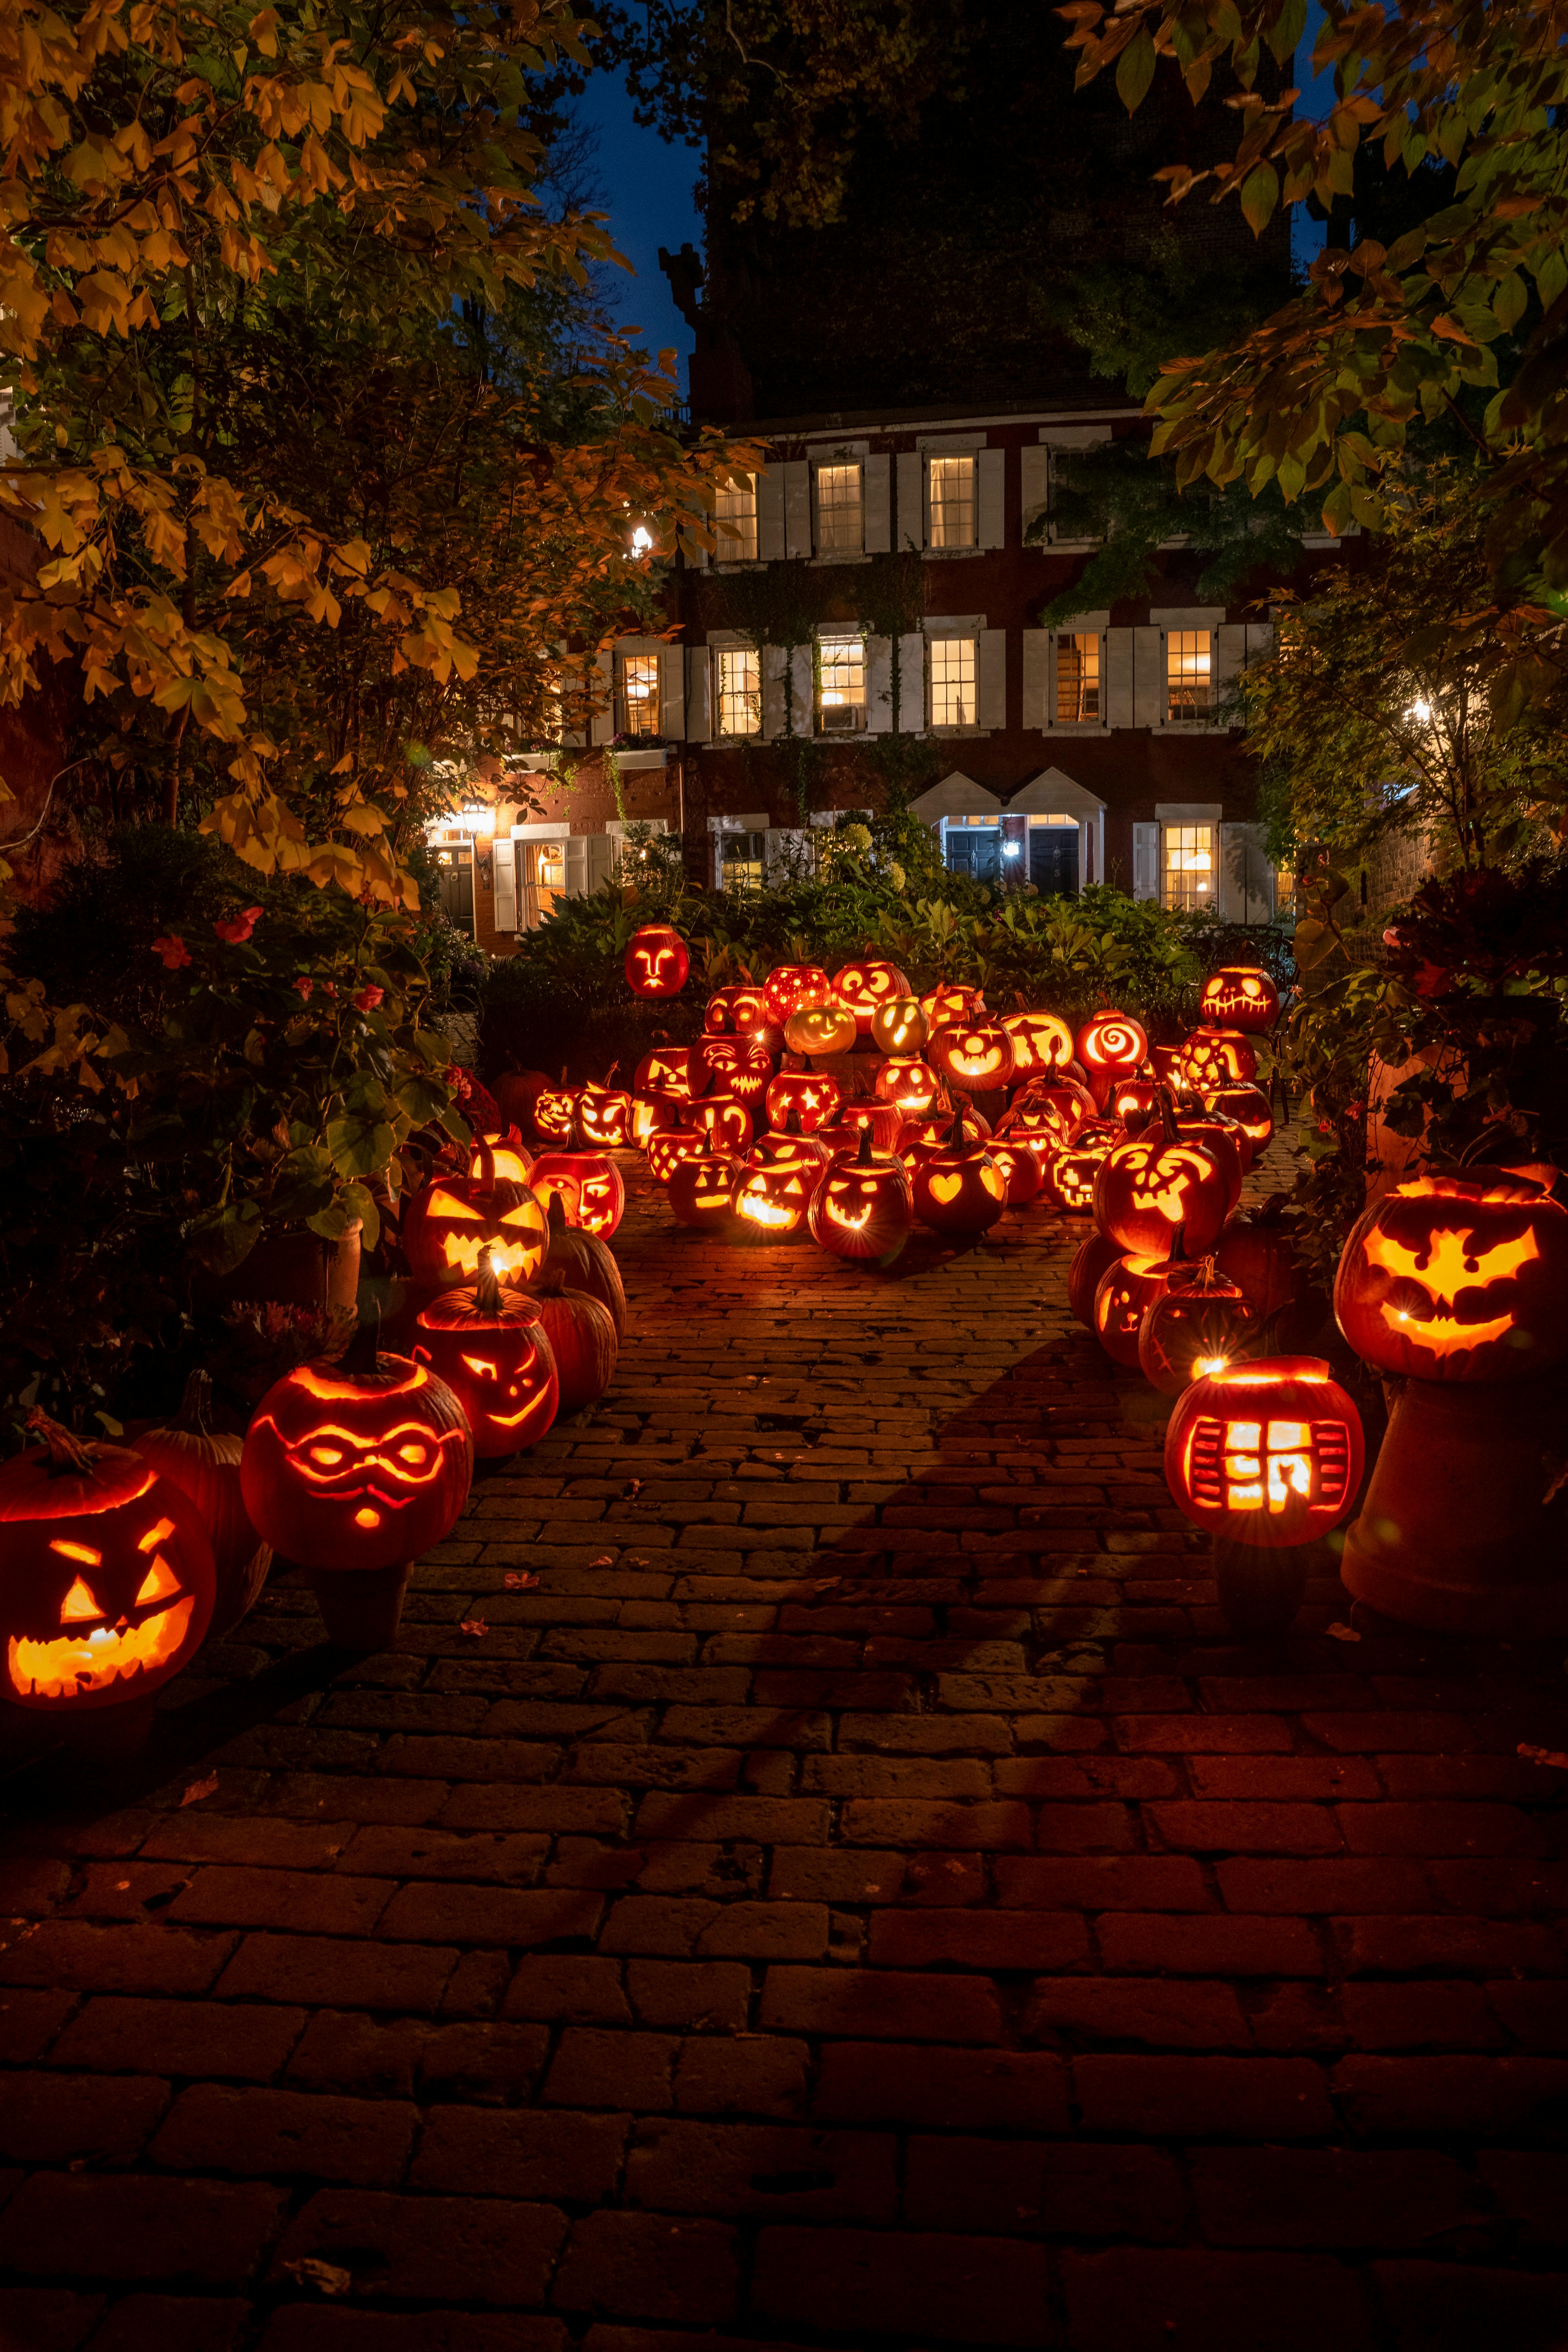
[(913, 1086), (1112, 1042), (819, 1029), (658, 962), (453, 1219), (1239, 996), (976, 1055), (899, 1027), (864, 988), (588, 1185), (790, 986), (1268, 1453), (1458, 1278), (487, 1345), (862, 1207), (959, 1189)]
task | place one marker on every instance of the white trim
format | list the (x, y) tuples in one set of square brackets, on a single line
[(1185, 616), (953, 624), (942, 444), (1188, 811), (1052, 794), (738, 823), (957, 796)]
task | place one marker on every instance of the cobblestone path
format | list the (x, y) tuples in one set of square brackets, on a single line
[(864, 1897)]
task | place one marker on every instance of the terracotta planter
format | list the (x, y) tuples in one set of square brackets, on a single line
[(299, 1270), (1455, 1533), (360, 1608)]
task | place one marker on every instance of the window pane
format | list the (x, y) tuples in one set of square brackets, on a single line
[(952, 502), (1188, 661), (1188, 854), (841, 687), (739, 691), (952, 675), (839, 526), (975, 849), (639, 694), (737, 507), (1077, 680), (740, 858)]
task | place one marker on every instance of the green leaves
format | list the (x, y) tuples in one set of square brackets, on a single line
[(1135, 70)]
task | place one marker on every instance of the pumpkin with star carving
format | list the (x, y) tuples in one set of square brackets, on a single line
[(1458, 1278), (810, 1095)]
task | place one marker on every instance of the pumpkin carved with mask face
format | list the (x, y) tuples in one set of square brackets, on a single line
[(1458, 1278), (900, 1027), (488, 1347), (447, 1224), (588, 1185), (658, 962), (862, 1205)]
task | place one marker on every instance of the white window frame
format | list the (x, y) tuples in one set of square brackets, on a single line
[(1204, 832), (739, 510), (854, 545), (935, 639), (1099, 724), (719, 656), (649, 659), (935, 458), (831, 640), (1205, 655)]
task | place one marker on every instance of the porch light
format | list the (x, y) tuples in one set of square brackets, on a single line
[(1421, 712), (1010, 848), (642, 540), (477, 819)]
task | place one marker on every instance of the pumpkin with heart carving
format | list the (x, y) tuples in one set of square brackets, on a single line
[(1217, 1058), (863, 1205), (1458, 1278), (959, 1189)]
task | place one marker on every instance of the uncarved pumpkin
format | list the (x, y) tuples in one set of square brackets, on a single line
[(588, 1263), (204, 1463), (582, 1340)]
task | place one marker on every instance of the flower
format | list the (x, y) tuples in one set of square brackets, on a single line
[(856, 836), (328, 988), (173, 951), (304, 985), (368, 998), (895, 874), (236, 928)]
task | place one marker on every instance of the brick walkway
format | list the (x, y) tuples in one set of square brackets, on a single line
[(864, 1897)]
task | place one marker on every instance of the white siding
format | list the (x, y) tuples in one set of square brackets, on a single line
[(698, 708), (878, 504), (1149, 678), (1036, 673), (576, 865), (1146, 861), (672, 692), (1119, 698), (504, 868), (911, 682), (773, 690), (991, 700), (771, 515), (991, 470), (1035, 469), (911, 518), (878, 686), (797, 507)]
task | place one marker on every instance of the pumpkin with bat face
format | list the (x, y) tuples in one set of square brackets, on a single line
[(1217, 1058), (667, 1150), (1042, 1042), (452, 1219), (362, 1463), (1201, 1323), (107, 1581), (1458, 1278), (1112, 1042), (1267, 1453), (675, 1072), (975, 1056), (899, 1027), (864, 988), (1158, 1182), (739, 1065), (809, 1095), (555, 1114), (959, 1189), (488, 1346), (820, 1029), (657, 960), (772, 1189), (862, 1207), (789, 986), (588, 1185), (1240, 997), (913, 1086), (1071, 1169), (1250, 1108), (729, 1123), (1123, 1296), (1093, 1257), (604, 1116), (699, 1189), (948, 1003)]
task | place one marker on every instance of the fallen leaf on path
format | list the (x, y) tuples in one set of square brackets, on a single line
[(307, 2272), (524, 1580), (1338, 1633), (200, 1789), (474, 1627), (606, 1560), (1552, 1755)]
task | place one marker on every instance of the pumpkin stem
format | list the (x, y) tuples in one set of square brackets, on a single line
[(1168, 1117), (609, 1074), (863, 1156), (554, 1214), (955, 1140), (68, 1456), (487, 1159), (487, 1290), (361, 1358), (195, 1406)]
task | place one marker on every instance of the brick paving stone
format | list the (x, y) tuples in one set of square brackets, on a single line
[(864, 1896)]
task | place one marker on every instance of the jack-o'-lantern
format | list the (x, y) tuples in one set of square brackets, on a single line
[(976, 1055), (862, 1207), (555, 1114), (699, 1189), (675, 1072), (1201, 1323), (1257, 1251), (1123, 1296), (1268, 1453), (1133, 1100), (1113, 1042), (739, 1066), (789, 986), (1222, 1138), (813, 1098), (588, 1185), (658, 962), (1042, 1042), (1093, 1256), (914, 1086), (727, 1122), (749, 1015), (1458, 1278), (1157, 1182), (1165, 1061), (1217, 1058), (883, 1121), (358, 1464), (948, 1003), (1069, 1168), (864, 988), (652, 1115), (1238, 997), (1250, 1108), (920, 1138), (107, 1581), (487, 1345), (959, 1188), (584, 1262), (452, 1219), (718, 1013), (667, 1150), (1049, 1114), (1020, 1169), (604, 1116), (819, 1029), (770, 1193), (508, 1155), (899, 1027)]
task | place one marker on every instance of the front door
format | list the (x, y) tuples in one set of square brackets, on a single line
[(1053, 860), (456, 870)]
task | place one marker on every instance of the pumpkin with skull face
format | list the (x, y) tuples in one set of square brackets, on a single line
[(862, 1207), (913, 1086), (789, 986), (975, 1056), (727, 1121), (667, 1150), (1458, 1278), (900, 1027), (658, 962), (487, 1345), (675, 1072), (772, 1193), (809, 1095), (1268, 1453), (864, 988), (362, 1463), (699, 1189), (1217, 1058), (1071, 1169), (1111, 1041), (588, 1185), (1042, 1042), (959, 1189), (107, 1580), (1157, 1183), (453, 1219), (1240, 997), (604, 1116), (1123, 1296), (818, 1030), (948, 1003), (1201, 1324), (739, 1066)]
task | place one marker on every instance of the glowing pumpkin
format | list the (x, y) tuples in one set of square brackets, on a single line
[(749, 1015), (718, 1013), (819, 1029), (1238, 996), (554, 1113), (918, 1138), (862, 1207), (1217, 1058), (1123, 1297), (652, 1115), (947, 1003), (604, 1116), (1458, 1278), (508, 1155), (727, 1122), (1201, 1323), (1223, 1139), (899, 1027), (1041, 1042), (667, 1150), (1111, 1041), (811, 1097), (1268, 1453), (1250, 1107), (1158, 1184), (658, 962), (488, 1346), (914, 1086), (107, 1580), (448, 1224), (740, 1066), (204, 1463), (1049, 1114), (1020, 1170), (1093, 1256), (588, 1185), (675, 1072), (1133, 1101), (977, 1057), (699, 1190), (1071, 1169), (789, 986), (959, 1188), (770, 1194), (883, 1121), (864, 988)]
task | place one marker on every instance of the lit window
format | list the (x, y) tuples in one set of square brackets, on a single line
[(840, 520), (953, 681), (1077, 680), (1189, 866), (639, 694), (735, 514), (1189, 656), (952, 502), (741, 859), (841, 687), (739, 691)]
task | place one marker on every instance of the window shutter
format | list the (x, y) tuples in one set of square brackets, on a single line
[(911, 499), (1259, 639), (878, 492), (698, 708), (911, 681), (797, 507), (672, 692), (602, 853), (773, 660), (1146, 861), (697, 557), (1246, 893), (989, 466), (991, 700), (1149, 700), (1229, 660), (787, 854), (1119, 677), (576, 865), (800, 690), (503, 868), (604, 721), (771, 515), (1035, 467), (1036, 675), (878, 686)]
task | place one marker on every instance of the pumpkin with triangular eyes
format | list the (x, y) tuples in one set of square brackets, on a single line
[(448, 1224), (789, 986), (959, 1189), (1217, 1058), (1458, 1278), (488, 1347), (589, 1186), (811, 1096), (1111, 1041), (949, 1002), (740, 1066), (864, 988), (1160, 1181), (899, 1027), (1239, 996), (1052, 1114), (107, 1580), (817, 1030), (657, 960), (1227, 1142), (727, 1121), (604, 1116), (976, 1055), (772, 1192), (699, 1190), (675, 1072), (1042, 1042), (862, 1207), (919, 1138)]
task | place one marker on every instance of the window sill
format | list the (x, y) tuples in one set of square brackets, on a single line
[(826, 562), (730, 742), (1079, 727), (633, 760), (1193, 727), (741, 564), (952, 734), (955, 554)]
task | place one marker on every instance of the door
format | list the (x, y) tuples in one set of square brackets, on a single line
[(976, 850), (456, 867), (1053, 860)]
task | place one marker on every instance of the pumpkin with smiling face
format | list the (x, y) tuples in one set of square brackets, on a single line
[(604, 1116), (1112, 1043), (658, 962), (914, 1086), (864, 988), (1159, 1184), (959, 1189), (1458, 1278), (862, 1207), (789, 986), (1239, 996), (453, 1219), (1071, 1169), (107, 1581), (818, 1030), (900, 1027), (810, 1095), (487, 1345), (975, 1056), (1268, 1453), (1042, 1042), (1250, 1107), (770, 1193), (740, 1066)]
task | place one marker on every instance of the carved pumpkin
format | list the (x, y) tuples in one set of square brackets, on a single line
[(489, 1344), (864, 988), (977, 1057), (862, 1207), (1053, 1114), (1268, 1453), (658, 962), (107, 1581), (506, 1155), (452, 1219), (1238, 996), (749, 1015), (1250, 1108), (899, 1027), (1093, 1256), (582, 1341), (789, 986), (1216, 1058), (718, 1013), (588, 1263), (1111, 1041), (666, 1150), (652, 1115), (360, 1464), (1133, 1101), (588, 1185), (918, 1138), (604, 1116), (1071, 1169), (1123, 1296), (883, 1121), (1223, 1139), (914, 1086), (675, 1072), (1257, 1251), (739, 1066), (555, 1114), (946, 1003), (1200, 1324), (1041, 1042), (699, 1190), (1159, 1182), (1020, 1169), (819, 1029), (772, 1193), (517, 1091), (1458, 1278), (204, 1463), (959, 1188), (807, 1094), (727, 1121)]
